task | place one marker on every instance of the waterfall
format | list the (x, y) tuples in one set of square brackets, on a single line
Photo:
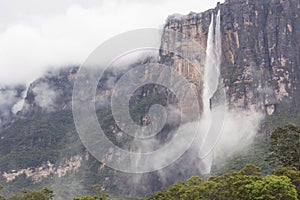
[(212, 63), (218, 43), (211, 83)]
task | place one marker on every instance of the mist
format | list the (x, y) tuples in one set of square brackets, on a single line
[(11, 101), (33, 39)]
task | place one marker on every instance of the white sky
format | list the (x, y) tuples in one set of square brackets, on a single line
[(37, 34)]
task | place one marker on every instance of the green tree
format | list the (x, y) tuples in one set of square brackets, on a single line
[(194, 181), (293, 174), (246, 184), (250, 169), (206, 190), (270, 187), (284, 147), (99, 194), (43, 194)]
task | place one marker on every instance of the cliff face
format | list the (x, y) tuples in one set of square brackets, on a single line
[(260, 71), (261, 51), (50, 93), (260, 58)]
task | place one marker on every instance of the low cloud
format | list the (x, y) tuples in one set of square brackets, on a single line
[(45, 97), (66, 33), (11, 99)]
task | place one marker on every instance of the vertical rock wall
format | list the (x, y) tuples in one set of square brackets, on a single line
[(261, 52)]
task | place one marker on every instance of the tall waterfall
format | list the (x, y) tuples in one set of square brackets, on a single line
[(212, 63), (211, 83)]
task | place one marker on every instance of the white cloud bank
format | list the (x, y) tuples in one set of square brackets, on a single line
[(35, 35)]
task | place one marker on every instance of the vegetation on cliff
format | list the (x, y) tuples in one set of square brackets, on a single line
[(246, 183)]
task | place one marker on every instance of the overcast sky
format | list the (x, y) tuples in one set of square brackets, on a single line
[(37, 34)]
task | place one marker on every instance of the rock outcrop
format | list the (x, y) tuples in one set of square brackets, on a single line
[(50, 93), (261, 51)]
